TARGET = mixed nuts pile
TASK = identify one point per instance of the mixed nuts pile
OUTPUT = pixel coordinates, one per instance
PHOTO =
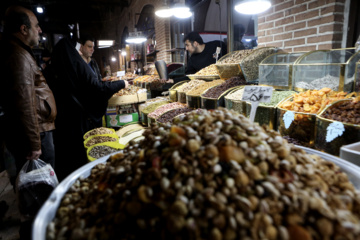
(210, 176)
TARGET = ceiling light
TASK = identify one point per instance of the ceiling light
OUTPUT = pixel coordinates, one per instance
(164, 12)
(113, 59)
(39, 9)
(252, 6)
(136, 37)
(105, 43)
(123, 53)
(182, 14)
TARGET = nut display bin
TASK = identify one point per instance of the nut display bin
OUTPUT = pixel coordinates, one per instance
(250, 64)
(48, 210)
(297, 125)
(173, 91)
(213, 103)
(334, 69)
(330, 135)
(236, 105)
(193, 101)
(277, 70)
(229, 65)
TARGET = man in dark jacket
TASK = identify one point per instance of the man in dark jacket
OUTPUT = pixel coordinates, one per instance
(28, 103)
(86, 51)
(27, 100)
(201, 54)
(81, 102)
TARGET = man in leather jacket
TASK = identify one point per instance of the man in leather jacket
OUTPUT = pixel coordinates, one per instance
(28, 102)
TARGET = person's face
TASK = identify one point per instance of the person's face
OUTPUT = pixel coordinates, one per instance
(191, 47)
(87, 49)
(33, 36)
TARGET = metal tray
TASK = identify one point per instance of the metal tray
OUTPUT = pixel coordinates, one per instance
(48, 210)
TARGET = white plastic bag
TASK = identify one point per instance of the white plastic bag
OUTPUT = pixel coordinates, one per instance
(35, 182)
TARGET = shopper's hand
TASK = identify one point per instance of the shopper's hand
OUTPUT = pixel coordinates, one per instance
(170, 81)
(126, 83)
(34, 155)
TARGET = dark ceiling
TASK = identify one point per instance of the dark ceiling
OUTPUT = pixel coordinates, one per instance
(59, 14)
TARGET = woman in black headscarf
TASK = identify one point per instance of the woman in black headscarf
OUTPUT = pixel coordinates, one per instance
(81, 100)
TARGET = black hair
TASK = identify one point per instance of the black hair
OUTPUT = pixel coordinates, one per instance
(194, 36)
(15, 17)
(85, 38)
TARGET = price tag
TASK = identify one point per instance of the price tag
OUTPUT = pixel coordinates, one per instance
(120, 73)
(288, 118)
(334, 130)
(255, 95)
(218, 49)
(126, 118)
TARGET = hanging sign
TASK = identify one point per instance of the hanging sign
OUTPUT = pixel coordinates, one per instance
(255, 95)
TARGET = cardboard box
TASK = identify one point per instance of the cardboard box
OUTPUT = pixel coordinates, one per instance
(118, 120)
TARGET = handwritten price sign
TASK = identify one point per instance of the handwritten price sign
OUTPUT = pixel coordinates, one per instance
(255, 95)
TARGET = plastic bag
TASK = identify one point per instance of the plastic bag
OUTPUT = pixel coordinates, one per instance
(35, 183)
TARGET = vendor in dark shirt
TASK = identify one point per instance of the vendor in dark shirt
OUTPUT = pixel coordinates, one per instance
(201, 54)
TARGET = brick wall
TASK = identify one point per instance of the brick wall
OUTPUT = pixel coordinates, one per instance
(302, 25)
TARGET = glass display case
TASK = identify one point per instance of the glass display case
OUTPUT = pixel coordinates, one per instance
(357, 77)
(334, 69)
(277, 70)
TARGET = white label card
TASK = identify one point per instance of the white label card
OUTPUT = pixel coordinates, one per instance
(334, 130)
(120, 73)
(255, 95)
(288, 118)
(126, 118)
(218, 49)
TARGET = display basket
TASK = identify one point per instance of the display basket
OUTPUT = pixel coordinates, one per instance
(234, 104)
(228, 70)
(276, 70)
(250, 64)
(127, 99)
(333, 68)
(127, 127)
(330, 135)
(144, 119)
(296, 125)
(113, 136)
(114, 145)
(173, 91)
(265, 115)
(206, 78)
(150, 121)
(182, 110)
(213, 103)
(193, 101)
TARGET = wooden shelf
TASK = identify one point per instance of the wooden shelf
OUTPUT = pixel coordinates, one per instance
(175, 50)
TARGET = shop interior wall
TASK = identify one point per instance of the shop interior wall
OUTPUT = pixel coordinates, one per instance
(298, 25)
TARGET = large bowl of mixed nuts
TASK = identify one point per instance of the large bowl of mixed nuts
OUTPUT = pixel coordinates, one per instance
(213, 175)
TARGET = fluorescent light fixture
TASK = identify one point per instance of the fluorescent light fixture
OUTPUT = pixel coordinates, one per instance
(123, 53)
(182, 14)
(252, 6)
(39, 9)
(113, 59)
(105, 43)
(135, 40)
(164, 12)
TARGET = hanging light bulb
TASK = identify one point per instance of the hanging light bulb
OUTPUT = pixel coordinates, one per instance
(252, 6)
(40, 9)
(164, 11)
